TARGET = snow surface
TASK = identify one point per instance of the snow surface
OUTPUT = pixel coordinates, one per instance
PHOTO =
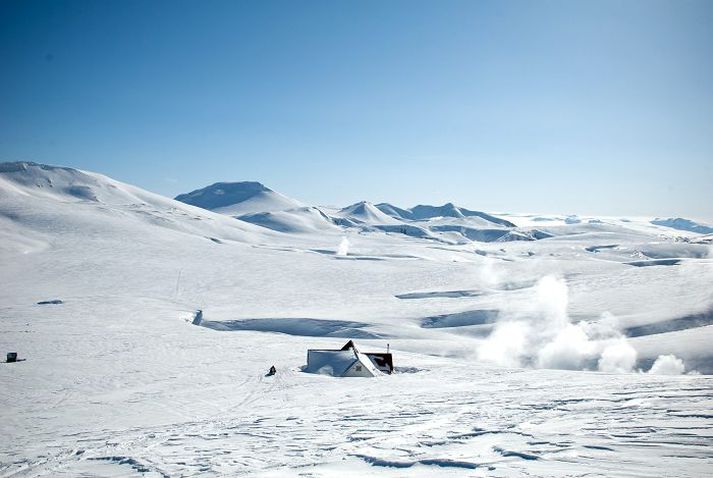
(512, 358)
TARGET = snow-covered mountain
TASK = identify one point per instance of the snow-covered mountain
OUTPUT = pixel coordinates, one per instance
(538, 356)
(255, 203)
(366, 212)
(238, 198)
(684, 225)
(448, 210)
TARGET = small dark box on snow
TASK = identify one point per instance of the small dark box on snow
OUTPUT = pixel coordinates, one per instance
(12, 357)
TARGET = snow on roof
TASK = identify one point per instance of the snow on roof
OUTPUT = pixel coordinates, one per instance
(330, 362)
(367, 363)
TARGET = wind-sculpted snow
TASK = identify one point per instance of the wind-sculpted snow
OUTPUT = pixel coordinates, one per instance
(455, 294)
(460, 319)
(655, 262)
(596, 249)
(701, 319)
(296, 326)
(125, 377)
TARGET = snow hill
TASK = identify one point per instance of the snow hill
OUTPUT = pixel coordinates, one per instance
(27, 179)
(298, 220)
(38, 202)
(365, 212)
(238, 198)
(564, 354)
(684, 225)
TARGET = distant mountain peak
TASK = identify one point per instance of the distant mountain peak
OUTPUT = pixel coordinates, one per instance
(359, 206)
(425, 212)
(238, 198)
(366, 212)
(243, 189)
(683, 224)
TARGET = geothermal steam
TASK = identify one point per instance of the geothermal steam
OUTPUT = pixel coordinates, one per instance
(667, 365)
(343, 249)
(542, 335)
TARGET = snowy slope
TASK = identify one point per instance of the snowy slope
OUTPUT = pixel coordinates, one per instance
(38, 202)
(513, 358)
(299, 220)
(236, 199)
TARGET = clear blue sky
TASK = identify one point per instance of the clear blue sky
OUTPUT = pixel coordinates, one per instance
(601, 107)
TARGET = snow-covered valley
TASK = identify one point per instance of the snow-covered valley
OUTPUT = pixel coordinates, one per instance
(524, 345)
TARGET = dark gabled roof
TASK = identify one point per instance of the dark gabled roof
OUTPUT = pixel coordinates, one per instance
(349, 345)
(383, 361)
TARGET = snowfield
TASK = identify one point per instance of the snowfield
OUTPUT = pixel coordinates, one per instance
(548, 346)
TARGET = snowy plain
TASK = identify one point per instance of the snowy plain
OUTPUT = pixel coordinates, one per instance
(551, 346)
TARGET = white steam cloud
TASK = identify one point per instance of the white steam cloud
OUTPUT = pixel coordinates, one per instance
(617, 357)
(667, 365)
(543, 336)
(343, 248)
(489, 274)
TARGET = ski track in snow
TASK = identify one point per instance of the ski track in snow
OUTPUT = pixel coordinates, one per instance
(500, 422)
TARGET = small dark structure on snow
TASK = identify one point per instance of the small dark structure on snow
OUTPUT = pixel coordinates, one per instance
(11, 357)
(51, 302)
(348, 362)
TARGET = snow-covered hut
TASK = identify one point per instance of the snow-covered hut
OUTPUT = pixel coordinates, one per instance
(347, 362)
